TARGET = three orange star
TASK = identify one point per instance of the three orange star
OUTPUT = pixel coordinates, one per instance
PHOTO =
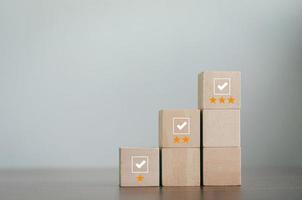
(231, 100)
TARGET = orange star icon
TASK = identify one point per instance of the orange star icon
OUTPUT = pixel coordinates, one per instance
(139, 178)
(221, 99)
(231, 100)
(186, 139)
(176, 139)
(213, 100)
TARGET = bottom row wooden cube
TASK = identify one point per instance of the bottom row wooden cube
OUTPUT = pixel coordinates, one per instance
(180, 166)
(222, 166)
(139, 166)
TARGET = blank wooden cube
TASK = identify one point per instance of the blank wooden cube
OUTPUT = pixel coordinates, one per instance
(222, 166)
(139, 166)
(219, 90)
(179, 128)
(180, 166)
(221, 128)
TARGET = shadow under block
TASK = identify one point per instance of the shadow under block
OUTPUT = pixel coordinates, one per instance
(221, 128)
(179, 128)
(222, 166)
(139, 166)
(219, 90)
(180, 166)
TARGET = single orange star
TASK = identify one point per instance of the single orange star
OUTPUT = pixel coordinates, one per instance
(221, 100)
(186, 139)
(213, 100)
(176, 139)
(139, 178)
(231, 100)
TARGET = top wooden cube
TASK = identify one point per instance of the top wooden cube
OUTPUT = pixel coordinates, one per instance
(219, 90)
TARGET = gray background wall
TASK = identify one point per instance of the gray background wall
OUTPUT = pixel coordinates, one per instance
(78, 78)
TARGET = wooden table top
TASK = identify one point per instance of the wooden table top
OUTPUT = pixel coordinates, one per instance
(260, 183)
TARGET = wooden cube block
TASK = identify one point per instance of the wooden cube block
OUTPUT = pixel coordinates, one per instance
(179, 128)
(139, 166)
(222, 166)
(180, 166)
(221, 128)
(219, 90)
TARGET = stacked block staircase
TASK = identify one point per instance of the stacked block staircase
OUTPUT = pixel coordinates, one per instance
(196, 146)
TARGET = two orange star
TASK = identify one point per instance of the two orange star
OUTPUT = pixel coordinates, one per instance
(231, 100)
(185, 139)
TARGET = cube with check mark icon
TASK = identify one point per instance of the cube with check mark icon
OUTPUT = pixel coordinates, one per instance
(139, 166)
(219, 90)
(179, 128)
